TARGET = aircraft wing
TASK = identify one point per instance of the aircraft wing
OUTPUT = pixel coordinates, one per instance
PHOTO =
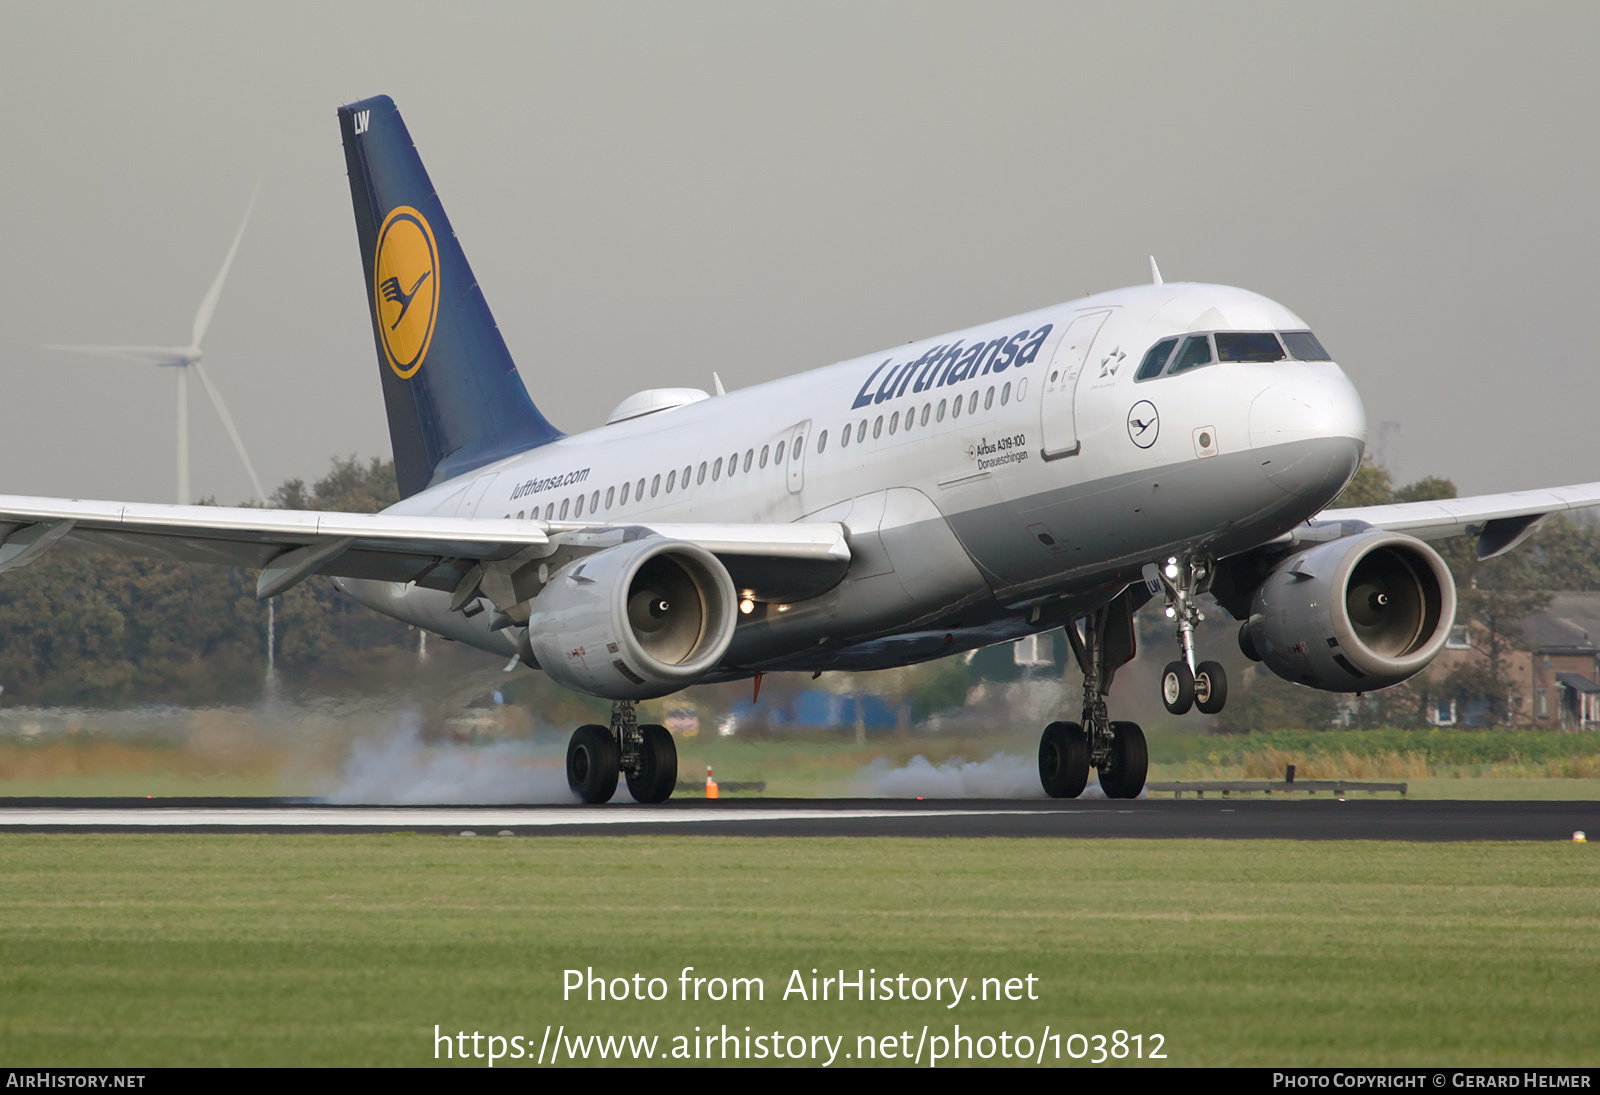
(291, 545)
(1499, 521)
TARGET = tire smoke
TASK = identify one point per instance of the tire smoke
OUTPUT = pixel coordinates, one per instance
(399, 768)
(1004, 775)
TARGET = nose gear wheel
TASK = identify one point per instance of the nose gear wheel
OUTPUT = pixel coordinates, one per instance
(1178, 687)
(1210, 688)
(1186, 684)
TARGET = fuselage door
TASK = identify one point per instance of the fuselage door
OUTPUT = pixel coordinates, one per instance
(799, 437)
(1058, 424)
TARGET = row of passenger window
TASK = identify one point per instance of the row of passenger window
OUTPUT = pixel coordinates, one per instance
(930, 412)
(572, 508)
(1238, 346)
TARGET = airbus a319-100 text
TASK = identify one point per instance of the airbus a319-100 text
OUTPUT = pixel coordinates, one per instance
(1052, 470)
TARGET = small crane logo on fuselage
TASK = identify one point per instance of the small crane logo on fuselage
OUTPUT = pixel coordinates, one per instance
(1144, 424)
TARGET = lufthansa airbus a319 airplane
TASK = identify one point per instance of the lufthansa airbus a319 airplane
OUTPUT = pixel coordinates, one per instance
(1053, 469)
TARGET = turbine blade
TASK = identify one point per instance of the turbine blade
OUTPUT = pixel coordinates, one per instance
(233, 431)
(202, 318)
(149, 355)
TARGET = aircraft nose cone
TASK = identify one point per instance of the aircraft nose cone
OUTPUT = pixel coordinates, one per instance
(1322, 404)
(1309, 432)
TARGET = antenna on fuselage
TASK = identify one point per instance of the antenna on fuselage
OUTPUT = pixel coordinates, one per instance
(1155, 272)
(717, 380)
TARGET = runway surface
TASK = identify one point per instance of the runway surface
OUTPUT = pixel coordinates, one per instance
(1306, 819)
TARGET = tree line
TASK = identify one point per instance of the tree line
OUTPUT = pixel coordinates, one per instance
(106, 630)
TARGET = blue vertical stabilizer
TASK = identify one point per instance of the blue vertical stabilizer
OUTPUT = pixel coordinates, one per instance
(454, 398)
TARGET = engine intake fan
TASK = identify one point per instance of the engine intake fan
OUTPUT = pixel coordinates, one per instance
(633, 622)
(1354, 614)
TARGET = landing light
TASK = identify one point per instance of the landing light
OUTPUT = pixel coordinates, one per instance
(1172, 570)
(1171, 612)
(747, 606)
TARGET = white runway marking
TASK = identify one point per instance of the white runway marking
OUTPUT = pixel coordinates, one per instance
(475, 818)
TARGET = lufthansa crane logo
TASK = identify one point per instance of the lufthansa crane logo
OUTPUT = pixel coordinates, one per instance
(1143, 424)
(406, 289)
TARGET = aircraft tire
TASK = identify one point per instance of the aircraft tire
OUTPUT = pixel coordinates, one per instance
(1210, 688)
(1124, 772)
(657, 777)
(592, 763)
(1177, 687)
(1064, 760)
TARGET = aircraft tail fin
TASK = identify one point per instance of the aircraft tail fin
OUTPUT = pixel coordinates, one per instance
(453, 395)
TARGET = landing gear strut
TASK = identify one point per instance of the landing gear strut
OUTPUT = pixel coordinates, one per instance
(1116, 749)
(646, 754)
(1185, 683)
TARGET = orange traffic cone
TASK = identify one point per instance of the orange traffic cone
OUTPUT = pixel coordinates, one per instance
(711, 784)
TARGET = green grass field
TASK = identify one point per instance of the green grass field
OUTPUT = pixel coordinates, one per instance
(346, 950)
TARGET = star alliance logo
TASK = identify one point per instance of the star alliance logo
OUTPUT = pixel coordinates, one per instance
(1111, 362)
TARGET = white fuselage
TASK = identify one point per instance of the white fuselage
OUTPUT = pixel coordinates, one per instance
(1057, 478)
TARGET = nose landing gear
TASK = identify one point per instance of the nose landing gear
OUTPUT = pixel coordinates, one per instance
(1210, 688)
(646, 754)
(1185, 683)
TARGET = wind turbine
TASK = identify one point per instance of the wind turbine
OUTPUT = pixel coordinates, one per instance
(184, 358)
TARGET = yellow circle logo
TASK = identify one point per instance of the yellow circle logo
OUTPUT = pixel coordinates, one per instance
(406, 288)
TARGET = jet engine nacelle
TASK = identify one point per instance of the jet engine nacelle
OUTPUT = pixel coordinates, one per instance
(1354, 614)
(635, 621)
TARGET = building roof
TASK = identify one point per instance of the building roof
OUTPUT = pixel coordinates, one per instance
(1578, 682)
(1570, 623)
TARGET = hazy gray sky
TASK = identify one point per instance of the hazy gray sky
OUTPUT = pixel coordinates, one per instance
(649, 192)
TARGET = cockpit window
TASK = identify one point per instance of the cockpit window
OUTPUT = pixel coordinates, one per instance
(1258, 346)
(1303, 345)
(1156, 359)
(1196, 351)
(1181, 353)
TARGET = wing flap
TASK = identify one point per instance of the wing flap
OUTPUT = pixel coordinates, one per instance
(291, 545)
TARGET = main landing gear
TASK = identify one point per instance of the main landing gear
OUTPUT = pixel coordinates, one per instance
(598, 755)
(1184, 683)
(1115, 749)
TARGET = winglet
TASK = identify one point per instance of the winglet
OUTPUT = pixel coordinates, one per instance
(1155, 272)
